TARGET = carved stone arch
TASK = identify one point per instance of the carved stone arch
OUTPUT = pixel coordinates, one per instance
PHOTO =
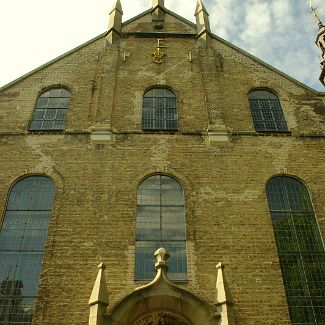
(145, 308)
(159, 301)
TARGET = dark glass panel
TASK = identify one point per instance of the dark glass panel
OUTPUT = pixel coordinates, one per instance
(51, 109)
(50, 114)
(177, 264)
(53, 102)
(39, 114)
(266, 111)
(61, 115)
(159, 110)
(300, 248)
(63, 102)
(58, 124)
(22, 239)
(148, 223)
(261, 94)
(47, 125)
(144, 259)
(42, 102)
(55, 92)
(160, 223)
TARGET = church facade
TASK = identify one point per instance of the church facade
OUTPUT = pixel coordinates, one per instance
(190, 172)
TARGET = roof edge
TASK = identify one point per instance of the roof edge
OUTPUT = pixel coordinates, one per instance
(167, 11)
(251, 56)
(48, 63)
(214, 36)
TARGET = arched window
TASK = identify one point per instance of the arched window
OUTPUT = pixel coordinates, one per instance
(160, 223)
(22, 239)
(51, 110)
(159, 110)
(267, 111)
(300, 249)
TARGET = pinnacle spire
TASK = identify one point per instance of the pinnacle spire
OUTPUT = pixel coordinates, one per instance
(199, 7)
(115, 23)
(223, 291)
(117, 6)
(99, 293)
(224, 301)
(98, 301)
(202, 23)
(158, 13)
(320, 42)
(156, 3)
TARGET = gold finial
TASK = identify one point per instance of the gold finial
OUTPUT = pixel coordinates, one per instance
(315, 14)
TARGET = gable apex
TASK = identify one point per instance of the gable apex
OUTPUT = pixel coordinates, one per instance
(200, 7)
(117, 6)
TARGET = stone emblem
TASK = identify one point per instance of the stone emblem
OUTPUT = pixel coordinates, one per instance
(161, 318)
(158, 55)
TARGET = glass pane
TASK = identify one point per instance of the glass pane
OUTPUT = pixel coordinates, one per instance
(261, 94)
(50, 114)
(144, 259)
(177, 263)
(159, 110)
(51, 109)
(22, 239)
(160, 221)
(266, 111)
(300, 248)
(148, 223)
(42, 102)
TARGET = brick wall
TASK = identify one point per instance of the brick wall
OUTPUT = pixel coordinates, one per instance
(227, 215)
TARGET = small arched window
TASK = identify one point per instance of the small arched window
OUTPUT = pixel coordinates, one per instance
(51, 110)
(159, 110)
(22, 239)
(300, 249)
(267, 111)
(160, 223)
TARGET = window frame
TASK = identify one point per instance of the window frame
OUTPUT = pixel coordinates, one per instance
(297, 235)
(150, 124)
(270, 118)
(59, 109)
(27, 213)
(177, 259)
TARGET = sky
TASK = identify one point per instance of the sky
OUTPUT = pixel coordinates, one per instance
(282, 33)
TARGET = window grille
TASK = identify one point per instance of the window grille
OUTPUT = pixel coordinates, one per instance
(159, 110)
(51, 110)
(160, 223)
(267, 112)
(22, 239)
(300, 249)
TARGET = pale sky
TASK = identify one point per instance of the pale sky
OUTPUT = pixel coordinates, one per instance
(280, 32)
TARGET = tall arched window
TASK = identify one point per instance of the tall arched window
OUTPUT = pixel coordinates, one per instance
(22, 239)
(267, 111)
(300, 249)
(159, 110)
(160, 223)
(51, 110)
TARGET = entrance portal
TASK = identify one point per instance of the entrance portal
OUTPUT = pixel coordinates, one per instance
(161, 318)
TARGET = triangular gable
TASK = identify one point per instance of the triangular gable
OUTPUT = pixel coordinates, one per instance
(173, 24)
(180, 25)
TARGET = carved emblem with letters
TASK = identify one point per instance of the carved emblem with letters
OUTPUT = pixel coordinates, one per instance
(158, 55)
(161, 318)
